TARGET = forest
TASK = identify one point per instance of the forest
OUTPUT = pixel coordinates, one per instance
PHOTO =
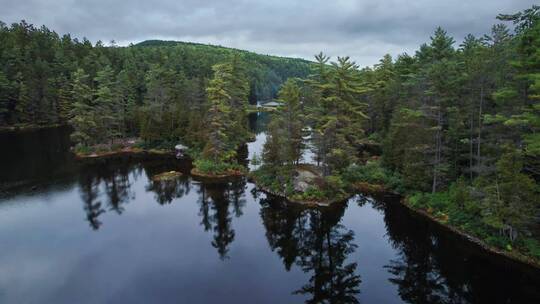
(155, 89)
(453, 128)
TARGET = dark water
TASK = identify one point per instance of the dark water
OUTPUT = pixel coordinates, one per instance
(106, 233)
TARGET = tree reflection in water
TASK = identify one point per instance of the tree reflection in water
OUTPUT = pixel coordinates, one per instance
(217, 201)
(435, 266)
(167, 190)
(314, 240)
(111, 183)
(116, 184)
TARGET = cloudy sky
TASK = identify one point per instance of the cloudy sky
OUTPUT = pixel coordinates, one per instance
(362, 29)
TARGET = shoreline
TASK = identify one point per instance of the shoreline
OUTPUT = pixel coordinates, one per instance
(359, 188)
(230, 174)
(125, 152)
(513, 256)
(324, 203)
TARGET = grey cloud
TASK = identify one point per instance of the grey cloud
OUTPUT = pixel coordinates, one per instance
(365, 30)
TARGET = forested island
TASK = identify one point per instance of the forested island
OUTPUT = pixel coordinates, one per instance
(452, 128)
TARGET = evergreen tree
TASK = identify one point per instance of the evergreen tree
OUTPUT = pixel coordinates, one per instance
(106, 104)
(83, 111)
(291, 119)
(218, 147)
(511, 199)
(339, 115)
(4, 97)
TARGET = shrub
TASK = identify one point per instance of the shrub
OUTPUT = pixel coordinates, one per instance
(418, 200)
(83, 149)
(533, 247)
(207, 166)
(116, 146)
(372, 172)
(312, 194)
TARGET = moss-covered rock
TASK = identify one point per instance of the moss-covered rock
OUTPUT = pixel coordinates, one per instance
(166, 176)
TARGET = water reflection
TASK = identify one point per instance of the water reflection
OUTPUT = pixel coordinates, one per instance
(319, 255)
(433, 266)
(217, 202)
(33, 157)
(165, 190)
(314, 240)
(109, 184)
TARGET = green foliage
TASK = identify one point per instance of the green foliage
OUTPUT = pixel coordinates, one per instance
(312, 194)
(511, 199)
(533, 247)
(155, 89)
(373, 173)
(338, 112)
(211, 167)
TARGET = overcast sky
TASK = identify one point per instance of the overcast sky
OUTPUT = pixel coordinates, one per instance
(362, 29)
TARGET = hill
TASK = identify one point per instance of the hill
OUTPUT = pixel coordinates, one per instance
(266, 72)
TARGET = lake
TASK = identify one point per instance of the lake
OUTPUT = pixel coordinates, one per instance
(107, 233)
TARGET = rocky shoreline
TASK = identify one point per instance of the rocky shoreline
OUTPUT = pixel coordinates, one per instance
(309, 203)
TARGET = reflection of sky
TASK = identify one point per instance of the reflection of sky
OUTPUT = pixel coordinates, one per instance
(152, 253)
(256, 147)
(156, 253)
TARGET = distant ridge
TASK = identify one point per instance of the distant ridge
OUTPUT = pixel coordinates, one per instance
(172, 43)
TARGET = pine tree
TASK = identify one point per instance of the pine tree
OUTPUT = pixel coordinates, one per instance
(272, 154)
(511, 199)
(106, 103)
(339, 115)
(126, 95)
(291, 119)
(218, 147)
(24, 111)
(64, 102)
(83, 111)
(4, 99)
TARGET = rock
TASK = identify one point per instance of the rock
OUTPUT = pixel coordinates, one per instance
(303, 180)
(166, 176)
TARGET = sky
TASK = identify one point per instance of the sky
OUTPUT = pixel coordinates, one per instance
(365, 30)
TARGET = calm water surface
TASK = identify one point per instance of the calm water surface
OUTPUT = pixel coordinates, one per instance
(106, 233)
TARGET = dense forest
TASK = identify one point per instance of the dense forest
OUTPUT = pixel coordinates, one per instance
(155, 89)
(457, 124)
(454, 127)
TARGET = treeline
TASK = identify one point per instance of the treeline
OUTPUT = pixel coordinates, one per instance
(154, 89)
(464, 122)
(458, 126)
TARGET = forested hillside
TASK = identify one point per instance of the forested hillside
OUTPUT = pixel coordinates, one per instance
(43, 76)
